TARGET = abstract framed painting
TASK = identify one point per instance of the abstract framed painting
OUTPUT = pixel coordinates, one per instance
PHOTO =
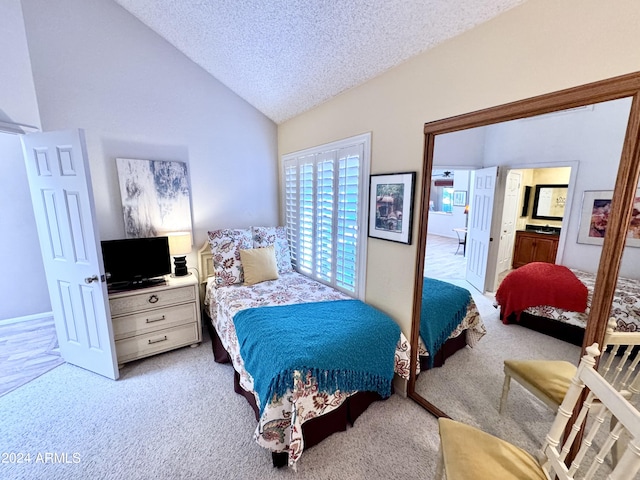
(594, 218)
(156, 197)
(391, 206)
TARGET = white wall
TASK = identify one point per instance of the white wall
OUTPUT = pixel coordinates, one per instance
(97, 67)
(593, 138)
(23, 289)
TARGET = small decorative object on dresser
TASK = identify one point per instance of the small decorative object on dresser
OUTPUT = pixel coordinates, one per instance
(153, 320)
(179, 246)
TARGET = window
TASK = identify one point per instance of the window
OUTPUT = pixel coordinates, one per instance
(441, 198)
(324, 202)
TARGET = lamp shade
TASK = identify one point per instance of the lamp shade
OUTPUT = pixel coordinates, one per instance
(179, 243)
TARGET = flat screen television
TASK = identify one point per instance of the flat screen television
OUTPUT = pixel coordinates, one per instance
(135, 262)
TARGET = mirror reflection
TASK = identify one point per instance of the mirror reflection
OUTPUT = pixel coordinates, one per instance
(549, 202)
(499, 232)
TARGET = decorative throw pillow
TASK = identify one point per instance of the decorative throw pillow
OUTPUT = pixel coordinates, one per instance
(225, 246)
(259, 265)
(276, 236)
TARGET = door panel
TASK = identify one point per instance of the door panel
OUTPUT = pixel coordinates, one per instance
(62, 197)
(483, 187)
(509, 215)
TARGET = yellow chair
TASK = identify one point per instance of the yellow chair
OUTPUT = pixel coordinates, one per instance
(468, 453)
(549, 380)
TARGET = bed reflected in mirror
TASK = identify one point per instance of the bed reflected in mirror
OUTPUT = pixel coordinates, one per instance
(463, 378)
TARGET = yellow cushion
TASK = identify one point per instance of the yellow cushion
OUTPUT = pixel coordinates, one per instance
(472, 454)
(552, 377)
(259, 265)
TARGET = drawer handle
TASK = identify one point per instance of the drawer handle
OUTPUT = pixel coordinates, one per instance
(155, 319)
(153, 299)
(151, 342)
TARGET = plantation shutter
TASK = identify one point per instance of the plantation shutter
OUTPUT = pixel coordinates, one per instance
(324, 213)
(347, 217)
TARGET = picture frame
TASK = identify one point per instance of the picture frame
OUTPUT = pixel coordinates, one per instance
(549, 201)
(459, 198)
(596, 205)
(156, 196)
(391, 206)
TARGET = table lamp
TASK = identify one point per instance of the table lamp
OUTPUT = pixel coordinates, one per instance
(179, 246)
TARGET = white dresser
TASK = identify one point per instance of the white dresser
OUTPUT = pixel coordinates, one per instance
(152, 320)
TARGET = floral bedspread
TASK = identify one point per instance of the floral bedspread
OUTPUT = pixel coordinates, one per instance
(625, 307)
(280, 427)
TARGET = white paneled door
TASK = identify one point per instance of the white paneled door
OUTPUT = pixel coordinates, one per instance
(62, 196)
(483, 187)
(509, 217)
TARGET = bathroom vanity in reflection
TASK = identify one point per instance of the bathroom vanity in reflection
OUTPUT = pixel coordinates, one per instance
(537, 244)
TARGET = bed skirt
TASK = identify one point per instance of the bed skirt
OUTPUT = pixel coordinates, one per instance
(450, 347)
(560, 330)
(313, 431)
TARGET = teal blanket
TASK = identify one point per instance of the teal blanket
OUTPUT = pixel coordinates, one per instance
(346, 344)
(443, 307)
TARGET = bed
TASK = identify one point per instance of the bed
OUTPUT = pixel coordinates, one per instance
(304, 413)
(569, 324)
(448, 312)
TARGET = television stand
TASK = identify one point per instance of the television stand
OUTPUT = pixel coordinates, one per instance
(150, 320)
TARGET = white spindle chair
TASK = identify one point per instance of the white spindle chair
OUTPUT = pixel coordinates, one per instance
(468, 453)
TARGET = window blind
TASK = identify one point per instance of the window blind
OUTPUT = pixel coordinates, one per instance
(325, 211)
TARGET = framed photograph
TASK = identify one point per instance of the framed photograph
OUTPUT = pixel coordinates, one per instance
(459, 198)
(596, 207)
(391, 206)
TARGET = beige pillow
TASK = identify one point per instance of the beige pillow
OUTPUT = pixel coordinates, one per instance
(259, 265)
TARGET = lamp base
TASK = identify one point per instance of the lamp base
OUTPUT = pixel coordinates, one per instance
(180, 264)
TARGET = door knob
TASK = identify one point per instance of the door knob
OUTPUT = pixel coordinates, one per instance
(91, 279)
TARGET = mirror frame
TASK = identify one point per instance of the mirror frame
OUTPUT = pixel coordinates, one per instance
(536, 201)
(621, 205)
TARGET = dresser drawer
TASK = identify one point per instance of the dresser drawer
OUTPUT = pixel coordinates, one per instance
(153, 320)
(147, 300)
(160, 341)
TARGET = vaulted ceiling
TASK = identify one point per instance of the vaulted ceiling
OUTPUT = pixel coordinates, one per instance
(287, 56)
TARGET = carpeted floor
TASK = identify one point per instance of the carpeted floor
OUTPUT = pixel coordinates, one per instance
(469, 385)
(175, 415)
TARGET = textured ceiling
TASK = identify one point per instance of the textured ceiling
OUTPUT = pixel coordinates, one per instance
(286, 56)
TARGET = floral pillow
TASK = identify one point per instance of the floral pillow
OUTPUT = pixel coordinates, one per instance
(226, 244)
(276, 236)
